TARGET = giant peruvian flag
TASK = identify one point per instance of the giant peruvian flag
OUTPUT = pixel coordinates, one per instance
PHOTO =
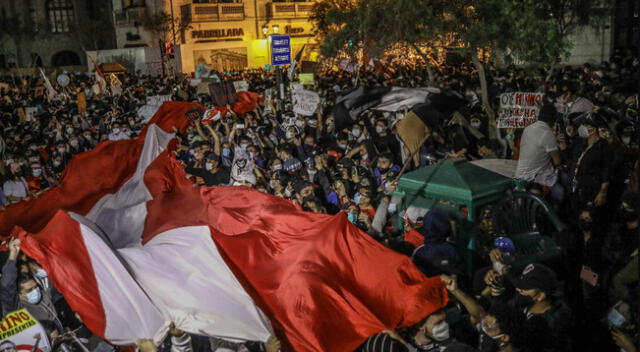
(134, 246)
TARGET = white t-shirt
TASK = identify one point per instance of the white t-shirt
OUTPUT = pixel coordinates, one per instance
(15, 189)
(537, 141)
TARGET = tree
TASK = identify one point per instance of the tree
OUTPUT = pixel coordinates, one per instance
(164, 27)
(497, 26)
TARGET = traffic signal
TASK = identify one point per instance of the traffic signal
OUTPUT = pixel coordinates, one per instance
(168, 48)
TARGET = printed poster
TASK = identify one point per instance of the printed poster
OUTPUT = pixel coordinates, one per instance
(19, 331)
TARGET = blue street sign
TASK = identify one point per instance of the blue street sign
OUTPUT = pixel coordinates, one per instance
(280, 50)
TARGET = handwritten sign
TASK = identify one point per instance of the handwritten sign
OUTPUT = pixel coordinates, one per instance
(158, 99)
(305, 102)
(518, 109)
(19, 331)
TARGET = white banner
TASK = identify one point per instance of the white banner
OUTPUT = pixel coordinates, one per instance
(146, 112)
(158, 99)
(21, 332)
(518, 109)
(305, 102)
(241, 86)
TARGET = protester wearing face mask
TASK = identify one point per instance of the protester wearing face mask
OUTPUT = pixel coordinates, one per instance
(431, 334)
(24, 292)
(589, 186)
(37, 181)
(118, 133)
(16, 187)
(539, 155)
(535, 297)
(384, 164)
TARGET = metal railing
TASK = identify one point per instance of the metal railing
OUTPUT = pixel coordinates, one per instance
(289, 10)
(217, 12)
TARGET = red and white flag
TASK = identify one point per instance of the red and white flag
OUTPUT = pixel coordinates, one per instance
(101, 82)
(133, 245)
(51, 92)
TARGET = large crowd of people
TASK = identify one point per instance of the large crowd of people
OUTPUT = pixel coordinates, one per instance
(581, 157)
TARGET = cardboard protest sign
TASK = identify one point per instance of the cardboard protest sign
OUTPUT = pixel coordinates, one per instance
(158, 99)
(305, 102)
(241, 86)
(306, 79)
(19, 331)
(30, 113)
(518, 109)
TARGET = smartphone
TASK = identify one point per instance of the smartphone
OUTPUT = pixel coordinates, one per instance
(589, 276)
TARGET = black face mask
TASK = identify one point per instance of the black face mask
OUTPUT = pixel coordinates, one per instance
(383, 170)
(628, 215)
(585, 225)
(522, 301)
(487, 344)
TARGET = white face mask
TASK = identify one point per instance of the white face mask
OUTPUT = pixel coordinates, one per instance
(475, 124)
(73, 143)
(441, 332)
(37, 172)
(300, 123)
(583, 131)
(56, 163)
(289, 135)
(342, 146)
(626, 140)
(208, 166)
(356, 132)
(379, 129)
(69, 130)
(116, 130)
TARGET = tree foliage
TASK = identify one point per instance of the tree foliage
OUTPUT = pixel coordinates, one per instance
(163, 26)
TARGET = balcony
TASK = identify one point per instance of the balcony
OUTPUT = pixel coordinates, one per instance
(278, 10)
(131, 16)
(217, 12)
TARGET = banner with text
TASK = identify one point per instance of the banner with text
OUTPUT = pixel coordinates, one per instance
(19, 331)
(305, 102)
(158, 99)
(518, 109)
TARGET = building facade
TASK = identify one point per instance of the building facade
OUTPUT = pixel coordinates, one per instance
(230, 35)
(53, 33)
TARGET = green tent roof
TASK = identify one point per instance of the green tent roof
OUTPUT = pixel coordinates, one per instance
(454, 180)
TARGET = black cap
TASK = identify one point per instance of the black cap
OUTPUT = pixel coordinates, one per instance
(538, 277)
(591, 119)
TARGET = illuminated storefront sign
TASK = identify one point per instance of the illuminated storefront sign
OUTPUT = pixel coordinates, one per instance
(217, 33)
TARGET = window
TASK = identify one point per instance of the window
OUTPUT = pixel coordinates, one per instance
(60, 15)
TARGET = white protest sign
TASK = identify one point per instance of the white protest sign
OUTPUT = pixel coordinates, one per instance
(305, 102)
(146, 112)
(241, 86)
(30, 113)
(158, 99)
(518, 109)
(21, 332)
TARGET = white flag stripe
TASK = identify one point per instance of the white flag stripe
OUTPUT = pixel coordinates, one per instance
(187, 278)
(121, 215)
(129, 313)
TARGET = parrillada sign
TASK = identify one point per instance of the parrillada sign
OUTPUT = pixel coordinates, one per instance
(217, 33)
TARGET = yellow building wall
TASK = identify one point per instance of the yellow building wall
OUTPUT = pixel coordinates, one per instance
(225, 51)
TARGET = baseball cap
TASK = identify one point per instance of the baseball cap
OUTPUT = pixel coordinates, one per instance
(539, 277)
